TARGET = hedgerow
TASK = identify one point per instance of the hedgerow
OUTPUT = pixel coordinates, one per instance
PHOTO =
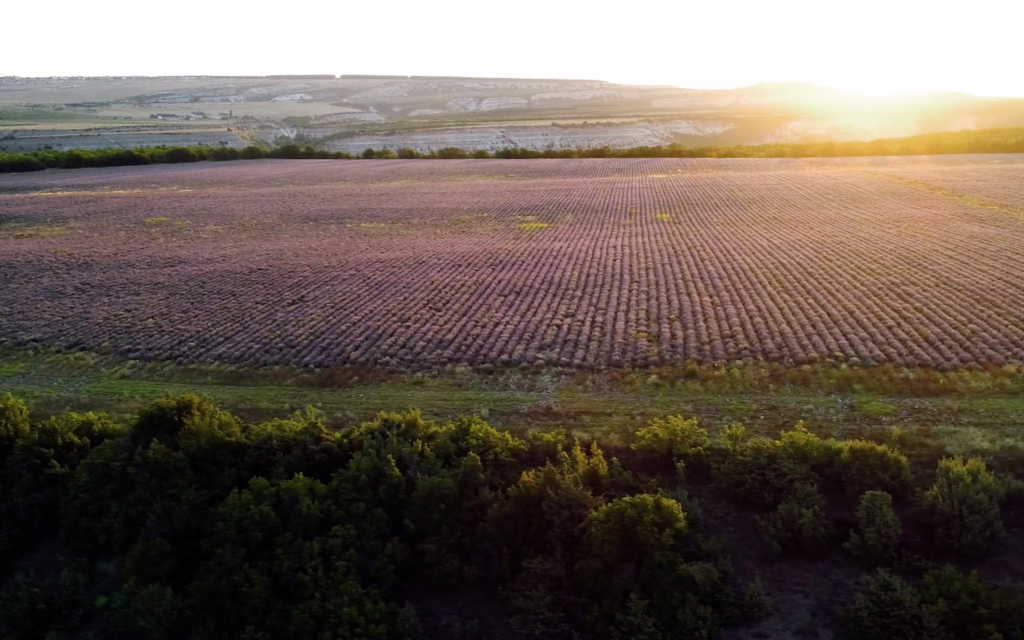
(1007, 140)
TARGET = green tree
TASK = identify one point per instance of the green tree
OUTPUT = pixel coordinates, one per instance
(962, 506)
(591, 472)
(540, 515)
(632, 533)
(878, 529)
(35, 477)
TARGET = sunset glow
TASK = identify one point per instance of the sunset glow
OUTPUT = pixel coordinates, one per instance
(871, 46)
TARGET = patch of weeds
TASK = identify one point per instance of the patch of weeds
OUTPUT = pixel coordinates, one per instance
(966, 441)
(39, 232)
(876, 408)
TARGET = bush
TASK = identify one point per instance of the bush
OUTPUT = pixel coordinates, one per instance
(674, 437)
(14, 423)
(757, 472)
(868, 466)
(590, 472)
(19, 163)
(540, 515)
(180, 154)
(123, 157)
(969, 610)
(962, 507)
(756, 603)
(798, 525)
(253, 153)
(649, 576)
(732, 437)
(452, 153)
(805, 448)
(630, 534)
(223, 154)
(35, 476)
(878, 527)
(181, 420)
(143, 613)
(887, 607)
(33, 606)
(73, 160)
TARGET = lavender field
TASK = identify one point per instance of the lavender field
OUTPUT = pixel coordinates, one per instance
(574, 263)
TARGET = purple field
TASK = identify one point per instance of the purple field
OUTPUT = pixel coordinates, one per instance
(577, 263)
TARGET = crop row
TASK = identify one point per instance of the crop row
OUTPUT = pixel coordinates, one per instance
(580, 263)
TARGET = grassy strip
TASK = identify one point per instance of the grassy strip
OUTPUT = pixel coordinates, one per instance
(974, 417)
(969, 141)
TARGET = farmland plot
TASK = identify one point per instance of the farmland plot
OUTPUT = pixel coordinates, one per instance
(577, 263)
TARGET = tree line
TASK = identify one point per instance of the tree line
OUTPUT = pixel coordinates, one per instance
(188, 522)
(1010, 140)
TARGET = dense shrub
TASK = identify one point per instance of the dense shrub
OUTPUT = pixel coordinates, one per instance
(451, 153)
(868, 466)
(759, 473)
(540, 515)
(193, 523)
(14, 423)
(19, 163)
(640, 569)
(631, 533)
(34, 606)
(223, 154)
(756, 603)
(34, 477)
(947, 605)
(72, 160)
(887, 607)
(962, 507)
(798, 525)
(968, 609)
(673, 437)
(253, 153)
(180, 154)
(968, 141)
(148, 612)
(187, 420)
(878, 529)
(589, 471)
(804, 448)
(732, 437)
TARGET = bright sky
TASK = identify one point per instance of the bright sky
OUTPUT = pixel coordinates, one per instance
(874, 46)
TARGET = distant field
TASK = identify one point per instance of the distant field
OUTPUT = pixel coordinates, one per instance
(575, 263)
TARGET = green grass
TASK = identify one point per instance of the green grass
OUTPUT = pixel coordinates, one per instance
(604, 405)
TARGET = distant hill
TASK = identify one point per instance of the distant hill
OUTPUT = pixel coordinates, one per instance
(351, 112)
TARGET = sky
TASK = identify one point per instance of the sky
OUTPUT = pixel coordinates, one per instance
(864, 46)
